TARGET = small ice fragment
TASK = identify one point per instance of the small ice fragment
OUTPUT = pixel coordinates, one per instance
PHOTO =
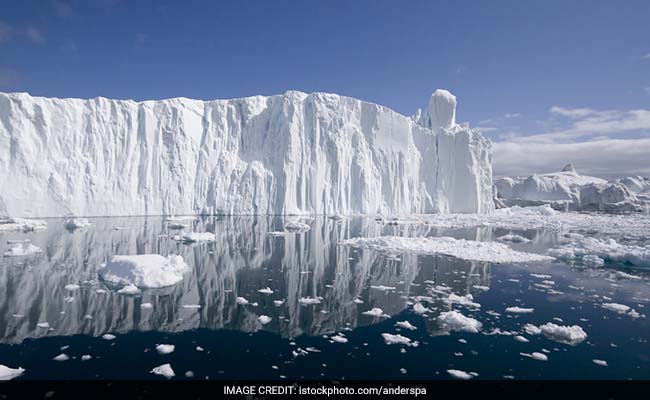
(108, 336)
(7, 373)
(165, 348)
(266, 290)
(86, 357)
(164, 370)
(458, 374)
(602, 363)
(61, 357)
(264, 319)
(405, 325)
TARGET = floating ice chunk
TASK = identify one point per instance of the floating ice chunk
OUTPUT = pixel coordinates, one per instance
(621, 309)
(467, 300)
(7, 373)
(357, 301)
(405, 325)
(26, 249)
(398, 339)
(61, 357)
(71, 287)
(266, 290)
(339, 338)
(144, 271)
(536, 356)
(278, 303)
(165, 348)
(241, 301)
(191, 306)
(86, 357)
(521, 339)
(382, 287)
(146, 306)
(532, 329)
(76, 223)
(623, 275)
(593, 260)
(605, 249)
(307, 301)
(564, 334)
(418, 308)
(455, 321)
(194, 237)
(44, 325)
(519, 310)
(602, 363)
(108, 336)
(513, 238)
(176, 225)
(460, 248)
(376, 312)
(541, 276)
(164, 370)
(264, 319)
(458, 374)
(189, 374)
(199, 348)
(21, 224)
(617, 308)
(129, 289)
(296, 227)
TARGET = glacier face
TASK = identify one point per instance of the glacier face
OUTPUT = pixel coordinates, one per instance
(293, 153)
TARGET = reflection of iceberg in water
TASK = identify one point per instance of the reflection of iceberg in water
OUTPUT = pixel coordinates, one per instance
(243, 259)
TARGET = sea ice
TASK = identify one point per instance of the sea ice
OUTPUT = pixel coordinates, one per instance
(26, 249)
(398, 339)
(458, 374)
(519, 310)
(165, 348)
(376, 312)
(460, 248)
(164, 370)
(405, 325)
(605, 249)
(565, 334)
(7, 373)
(264, 319)
(144, 271)
(455, 321)
(194, 237)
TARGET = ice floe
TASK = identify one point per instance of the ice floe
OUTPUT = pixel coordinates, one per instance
(455, 321)
(21, 224)
(164, 370)
(7, 373)
(165, 348)
(22, 250)
(519, 310)
(307, 301)
(460, 248)
(405, 325)
(376, 312)
(266, 290)
(144, 270)
(296, 226)
(536, 356)
(264, 319)
(458, 374)
(61, 357)
(398, 339)
(564, 334)
(621, 309)
(605, 249)
(195, 237)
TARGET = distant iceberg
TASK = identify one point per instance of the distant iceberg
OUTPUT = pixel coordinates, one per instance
(567, 190)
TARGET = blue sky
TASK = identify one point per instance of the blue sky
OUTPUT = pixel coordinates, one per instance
(568, 79)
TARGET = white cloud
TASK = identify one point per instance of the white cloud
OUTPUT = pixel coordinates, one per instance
(645, 56)
(34, 35)
(608, 157)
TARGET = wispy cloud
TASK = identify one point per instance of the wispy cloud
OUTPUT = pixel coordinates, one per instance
(8, 78)
(6, 32)
(645, 56)
(34, 35)
(608, 157)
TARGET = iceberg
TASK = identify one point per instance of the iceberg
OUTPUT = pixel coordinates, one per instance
(144, 271)
(567, 190)
(293, 153)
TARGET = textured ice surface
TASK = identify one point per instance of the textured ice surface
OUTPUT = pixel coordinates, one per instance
(565, 334)
(7, 373)
(144, 271)
(293, 153)
(590, 250)
(164, 370)
(459, 248)
(455, 321)
(569, 190)
(21, 224)
(21, 250)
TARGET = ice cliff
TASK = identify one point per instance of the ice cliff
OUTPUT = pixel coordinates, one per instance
(569, 190)
(293, 153)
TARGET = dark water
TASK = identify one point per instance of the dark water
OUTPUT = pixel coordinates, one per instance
(245, 258)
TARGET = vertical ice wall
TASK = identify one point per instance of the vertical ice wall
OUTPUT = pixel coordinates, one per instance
(286, 154)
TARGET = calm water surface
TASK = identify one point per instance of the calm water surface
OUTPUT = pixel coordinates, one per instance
(296, 342)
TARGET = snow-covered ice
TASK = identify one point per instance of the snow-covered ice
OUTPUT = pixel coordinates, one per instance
(605, 249)
(376, 312)
(21, 224)
(164, 370)
(144, 270)
(565, 334)
(458, 374)
(195, 237)
(264, 319)
(8, 373)
(165, 348)
(398, 339)
(61, 357)
(519, 310)
(455, 321)
(460, 248)
(23, 250)
(405, 325)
